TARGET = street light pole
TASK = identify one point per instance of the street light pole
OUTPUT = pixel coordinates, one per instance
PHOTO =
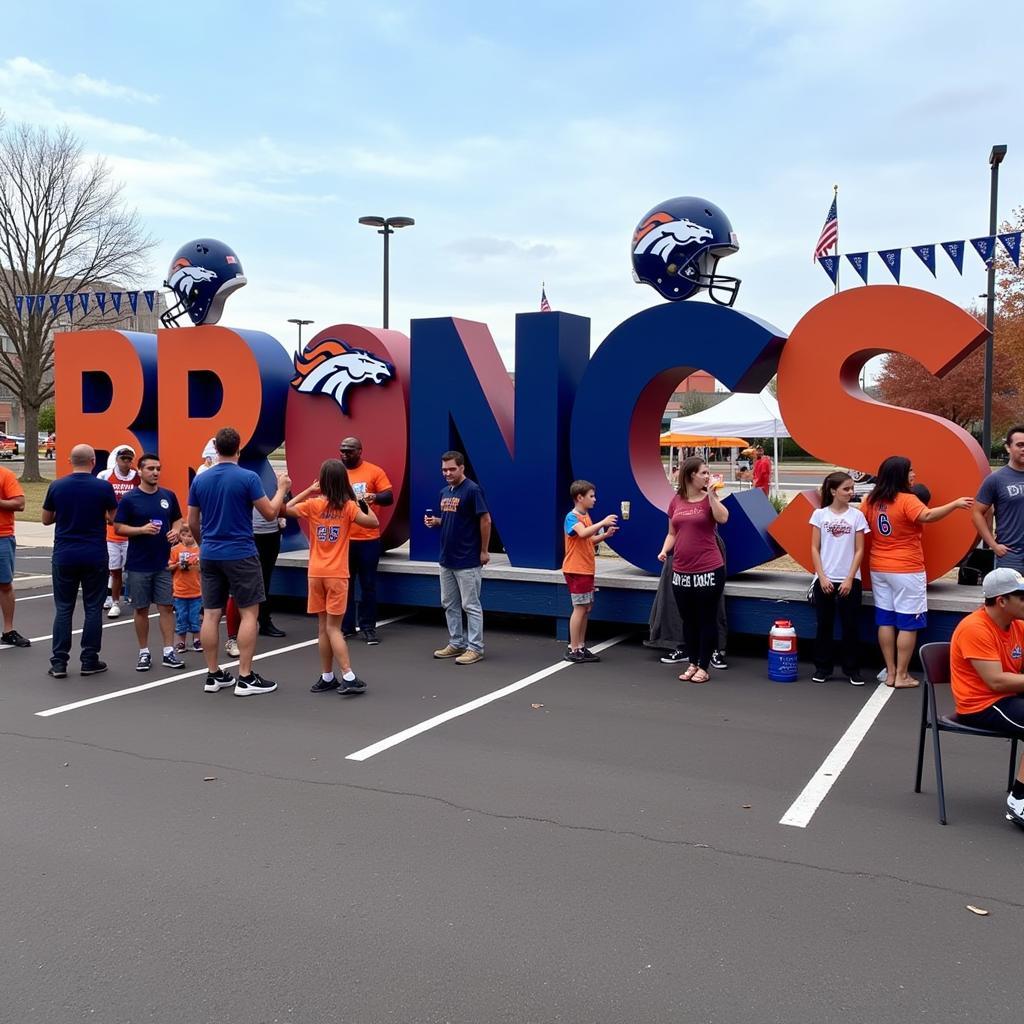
(995, 159)
(300, 324)
(386, 226)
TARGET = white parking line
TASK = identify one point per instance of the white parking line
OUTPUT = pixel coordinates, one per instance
(30, 579)
(804, 806)
(34, 597)
(75, 632)
(464, 709)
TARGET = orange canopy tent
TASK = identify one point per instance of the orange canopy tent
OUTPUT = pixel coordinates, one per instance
(670, 440)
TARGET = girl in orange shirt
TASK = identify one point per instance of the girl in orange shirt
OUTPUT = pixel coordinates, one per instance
(330, 507)
(896, 560)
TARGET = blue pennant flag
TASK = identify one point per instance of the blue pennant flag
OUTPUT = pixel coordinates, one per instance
(101, 301)
(859, 260)
(115, 299)
(955, 251)
(1011, 243)
(83, 298)
(830, 264)
(133, 301)
(69, 304)
(30, 303)
(54, 304)
(891, 258)
(985, 247)
(149, 296)
(926, 254)
(40, 303)
(19, 301)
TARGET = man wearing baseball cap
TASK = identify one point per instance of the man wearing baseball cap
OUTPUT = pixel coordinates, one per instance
(986, 661)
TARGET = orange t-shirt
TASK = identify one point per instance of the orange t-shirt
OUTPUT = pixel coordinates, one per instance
(977, 637)
(330, 530)
(896, 534)
(579, 551)
(9, 488)
(186, 583)
(367, 478)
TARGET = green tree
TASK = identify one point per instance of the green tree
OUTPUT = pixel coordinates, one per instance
(48, 418)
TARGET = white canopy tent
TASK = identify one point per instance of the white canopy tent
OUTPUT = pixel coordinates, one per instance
(740, 415)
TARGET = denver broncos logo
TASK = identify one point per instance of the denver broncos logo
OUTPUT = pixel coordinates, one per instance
(185, 276)
(331, 367)
(660, 234)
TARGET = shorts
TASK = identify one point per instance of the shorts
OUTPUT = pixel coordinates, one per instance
(901, 599)
(240, 578)
(116, 554)
(581, 588)
(327, 594)
(8, 548)
(146, 588)
(1005, 716)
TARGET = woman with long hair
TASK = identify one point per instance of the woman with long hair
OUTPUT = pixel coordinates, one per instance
(698, 568)
(330, 507)
(896, 559)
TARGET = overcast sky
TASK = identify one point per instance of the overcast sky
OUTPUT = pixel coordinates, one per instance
(527, 140)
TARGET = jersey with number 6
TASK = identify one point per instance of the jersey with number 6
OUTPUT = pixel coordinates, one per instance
(329, 529)
(896, 534)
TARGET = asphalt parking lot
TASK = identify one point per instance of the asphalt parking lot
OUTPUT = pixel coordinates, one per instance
(601, 844)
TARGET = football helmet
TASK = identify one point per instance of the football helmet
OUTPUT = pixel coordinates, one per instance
(202, 275)
(677, 246)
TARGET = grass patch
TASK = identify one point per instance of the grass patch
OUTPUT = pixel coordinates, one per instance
(34, 494)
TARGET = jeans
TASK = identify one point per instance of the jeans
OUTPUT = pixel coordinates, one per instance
(268, 547)
(66, 581)
(460, 592)
(187, 615)
(363, 556)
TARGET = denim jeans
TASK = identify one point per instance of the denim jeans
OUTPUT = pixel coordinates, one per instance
(66, 581)
(460, 592)
(363, 556)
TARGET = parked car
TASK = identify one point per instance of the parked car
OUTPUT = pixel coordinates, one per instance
(8, 447)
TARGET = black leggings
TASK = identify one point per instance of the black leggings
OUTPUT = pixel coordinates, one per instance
(268, 547)
(697, 595)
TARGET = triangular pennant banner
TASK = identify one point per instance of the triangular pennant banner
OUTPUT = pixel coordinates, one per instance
(19, 301)
(54, 304)
(40, 303)
(149, 296)
(115, 300)
(926, 254)
(955, 251)
(101, 301)
(859, 261)
(69, 304)
(985, 247)
(30, 303)
(1011, 243)
(133, 301)
(830, 264)
(891, 258)
(83, 298)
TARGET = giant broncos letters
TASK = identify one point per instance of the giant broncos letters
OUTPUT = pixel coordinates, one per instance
(565, 417)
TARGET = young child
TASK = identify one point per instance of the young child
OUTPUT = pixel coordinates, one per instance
(188, 601)
(837, 549)
(581, 537)
(329, 505)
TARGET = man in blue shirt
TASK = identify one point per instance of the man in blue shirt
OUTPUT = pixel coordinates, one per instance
(220, 504)
(465, 534)
(149, 516)
(81, 506)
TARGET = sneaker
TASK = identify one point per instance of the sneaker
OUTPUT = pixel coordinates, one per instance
(349, 633)
(14, 639)
(58, 671)
(346, 686)
(371, 638)
(145, 662)
(180, 648)
(115, 611)
(323, 685)
(197, 647)
(109, 601)
(856, 680)
(218, 681)
(819, 677)
(269, 629)
(677, 657)
(469, 658)
(718, 660)
(95, 669)
(172, 661)
(231, 647)
(588, 655)
(450, 651)
(254, 684)
(1015, 809)
(571, 655)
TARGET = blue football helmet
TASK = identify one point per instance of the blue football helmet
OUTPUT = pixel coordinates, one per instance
(202, 275)
(677, 246)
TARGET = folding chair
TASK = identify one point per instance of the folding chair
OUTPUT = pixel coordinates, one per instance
(935, 660)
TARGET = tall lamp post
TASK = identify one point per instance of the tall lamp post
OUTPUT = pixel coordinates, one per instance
(386, 226)
(300, 324)
(995, 158)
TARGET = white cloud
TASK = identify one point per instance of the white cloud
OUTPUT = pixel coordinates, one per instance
(21, 72)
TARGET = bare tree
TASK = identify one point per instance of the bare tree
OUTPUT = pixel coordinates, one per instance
(64, 228)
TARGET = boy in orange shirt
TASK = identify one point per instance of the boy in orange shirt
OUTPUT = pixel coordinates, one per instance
(330, 516)
(188, 599)
(581, 536)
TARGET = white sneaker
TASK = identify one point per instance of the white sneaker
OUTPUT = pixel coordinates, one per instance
(1015, 809)
(115, 611)
(109, 601)
(232, 647)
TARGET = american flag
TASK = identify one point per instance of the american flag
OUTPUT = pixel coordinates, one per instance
(545, 306)
(829, 233)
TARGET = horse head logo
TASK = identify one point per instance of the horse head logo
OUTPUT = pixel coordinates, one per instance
(331, 367)
(185, 277)
(659, 235)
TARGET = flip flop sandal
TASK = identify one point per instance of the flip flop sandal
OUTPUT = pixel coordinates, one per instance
(700, 676)
(688, 674)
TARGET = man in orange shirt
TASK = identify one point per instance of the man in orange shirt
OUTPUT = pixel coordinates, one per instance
(985, 659)
(123, 477)
(12, 499)
(370, 484)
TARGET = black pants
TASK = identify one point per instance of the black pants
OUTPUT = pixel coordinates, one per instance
(697, 596)
(268, 547)
(826, 606)
(363, 556)
(66, 581)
